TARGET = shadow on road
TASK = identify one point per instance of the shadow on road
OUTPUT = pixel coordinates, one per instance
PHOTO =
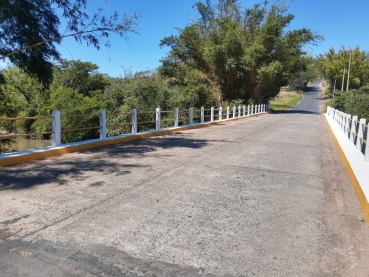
(300, 112)
(61, 170)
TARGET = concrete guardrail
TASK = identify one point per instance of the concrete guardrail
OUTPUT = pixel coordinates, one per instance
(58, 148)
(351, 136)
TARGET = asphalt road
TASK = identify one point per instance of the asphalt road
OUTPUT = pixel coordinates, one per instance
(264, 196)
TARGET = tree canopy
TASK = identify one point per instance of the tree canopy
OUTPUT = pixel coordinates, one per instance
(29, 31)
(334, 65)
(240, 53)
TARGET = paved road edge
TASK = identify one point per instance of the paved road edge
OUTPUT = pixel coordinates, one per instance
(357, 181)
(47, 152)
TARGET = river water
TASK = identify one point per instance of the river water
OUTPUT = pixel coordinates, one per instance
(24, 144)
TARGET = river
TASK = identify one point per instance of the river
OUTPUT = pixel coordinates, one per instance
(24, 144)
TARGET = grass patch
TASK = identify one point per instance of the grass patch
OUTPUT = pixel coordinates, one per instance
(285, 100)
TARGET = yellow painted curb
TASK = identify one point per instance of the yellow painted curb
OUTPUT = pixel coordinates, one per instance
(359, 192)
(75, 148)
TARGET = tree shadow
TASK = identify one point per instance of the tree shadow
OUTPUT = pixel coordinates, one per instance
(61, 171)
(295, 111)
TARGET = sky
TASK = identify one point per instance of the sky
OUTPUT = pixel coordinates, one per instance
(341, 22)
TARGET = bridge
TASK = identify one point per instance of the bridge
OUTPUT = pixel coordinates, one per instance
(262, 196)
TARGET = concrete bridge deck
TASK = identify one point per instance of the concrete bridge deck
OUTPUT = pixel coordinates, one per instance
(264, 196)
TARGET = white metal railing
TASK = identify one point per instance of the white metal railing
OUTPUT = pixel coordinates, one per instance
(205, 115)
(356, 130)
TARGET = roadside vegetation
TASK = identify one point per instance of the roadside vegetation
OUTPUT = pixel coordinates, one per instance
(228, 55)
(285, 100)
(351, 97)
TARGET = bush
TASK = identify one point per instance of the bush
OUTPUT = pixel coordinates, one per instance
(354, 102)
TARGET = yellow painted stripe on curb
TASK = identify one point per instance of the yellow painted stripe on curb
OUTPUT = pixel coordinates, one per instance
(359, 192)
(70, 149)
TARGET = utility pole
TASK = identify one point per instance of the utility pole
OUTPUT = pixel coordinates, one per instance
(348, 73)
(343, 78)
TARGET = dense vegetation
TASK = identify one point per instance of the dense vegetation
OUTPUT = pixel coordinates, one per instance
(237, 53)
(351, 97)
(230, 55)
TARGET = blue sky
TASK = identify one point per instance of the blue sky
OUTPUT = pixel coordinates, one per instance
(341, 22)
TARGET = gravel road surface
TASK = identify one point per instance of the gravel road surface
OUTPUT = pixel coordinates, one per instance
(263, 196)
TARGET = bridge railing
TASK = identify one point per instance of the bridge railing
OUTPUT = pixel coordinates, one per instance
(104, 124)
(354, 129)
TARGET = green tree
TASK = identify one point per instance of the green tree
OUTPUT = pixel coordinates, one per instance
(79, 76)
(333, 64)
(29, 31)
(241, 55)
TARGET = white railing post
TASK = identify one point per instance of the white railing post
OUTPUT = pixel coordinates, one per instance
(239, 111)
(252, 109)
(212, 114)
(248, 109)
(190, 116)
(234, 112)
(220, 113)
(102, 124)
(366, 157)
(56, 128)
(202, 115)
(348, 124)
(343, 122)
(259, 108)
(176, 113)
(360, 134)
(353, 129)
(134, 121)
(227, 112)
(158, 118)
(244, 110)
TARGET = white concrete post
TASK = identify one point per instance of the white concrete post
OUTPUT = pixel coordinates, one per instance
(134, 121)
(158, 118)
(343, 122)
(202, 115)
(227, 112)
(190, 116)
(176, 113)
(366, 157)
(252, 109)
(234, 112)
(239, 111)
(353, 129)
(248, 109)
(347, 128)
(102, 124)
(212, 114)
(244, 110)
(56, 128)
(360, 134)
(220, 113)
(341, 119)
(259, 108)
